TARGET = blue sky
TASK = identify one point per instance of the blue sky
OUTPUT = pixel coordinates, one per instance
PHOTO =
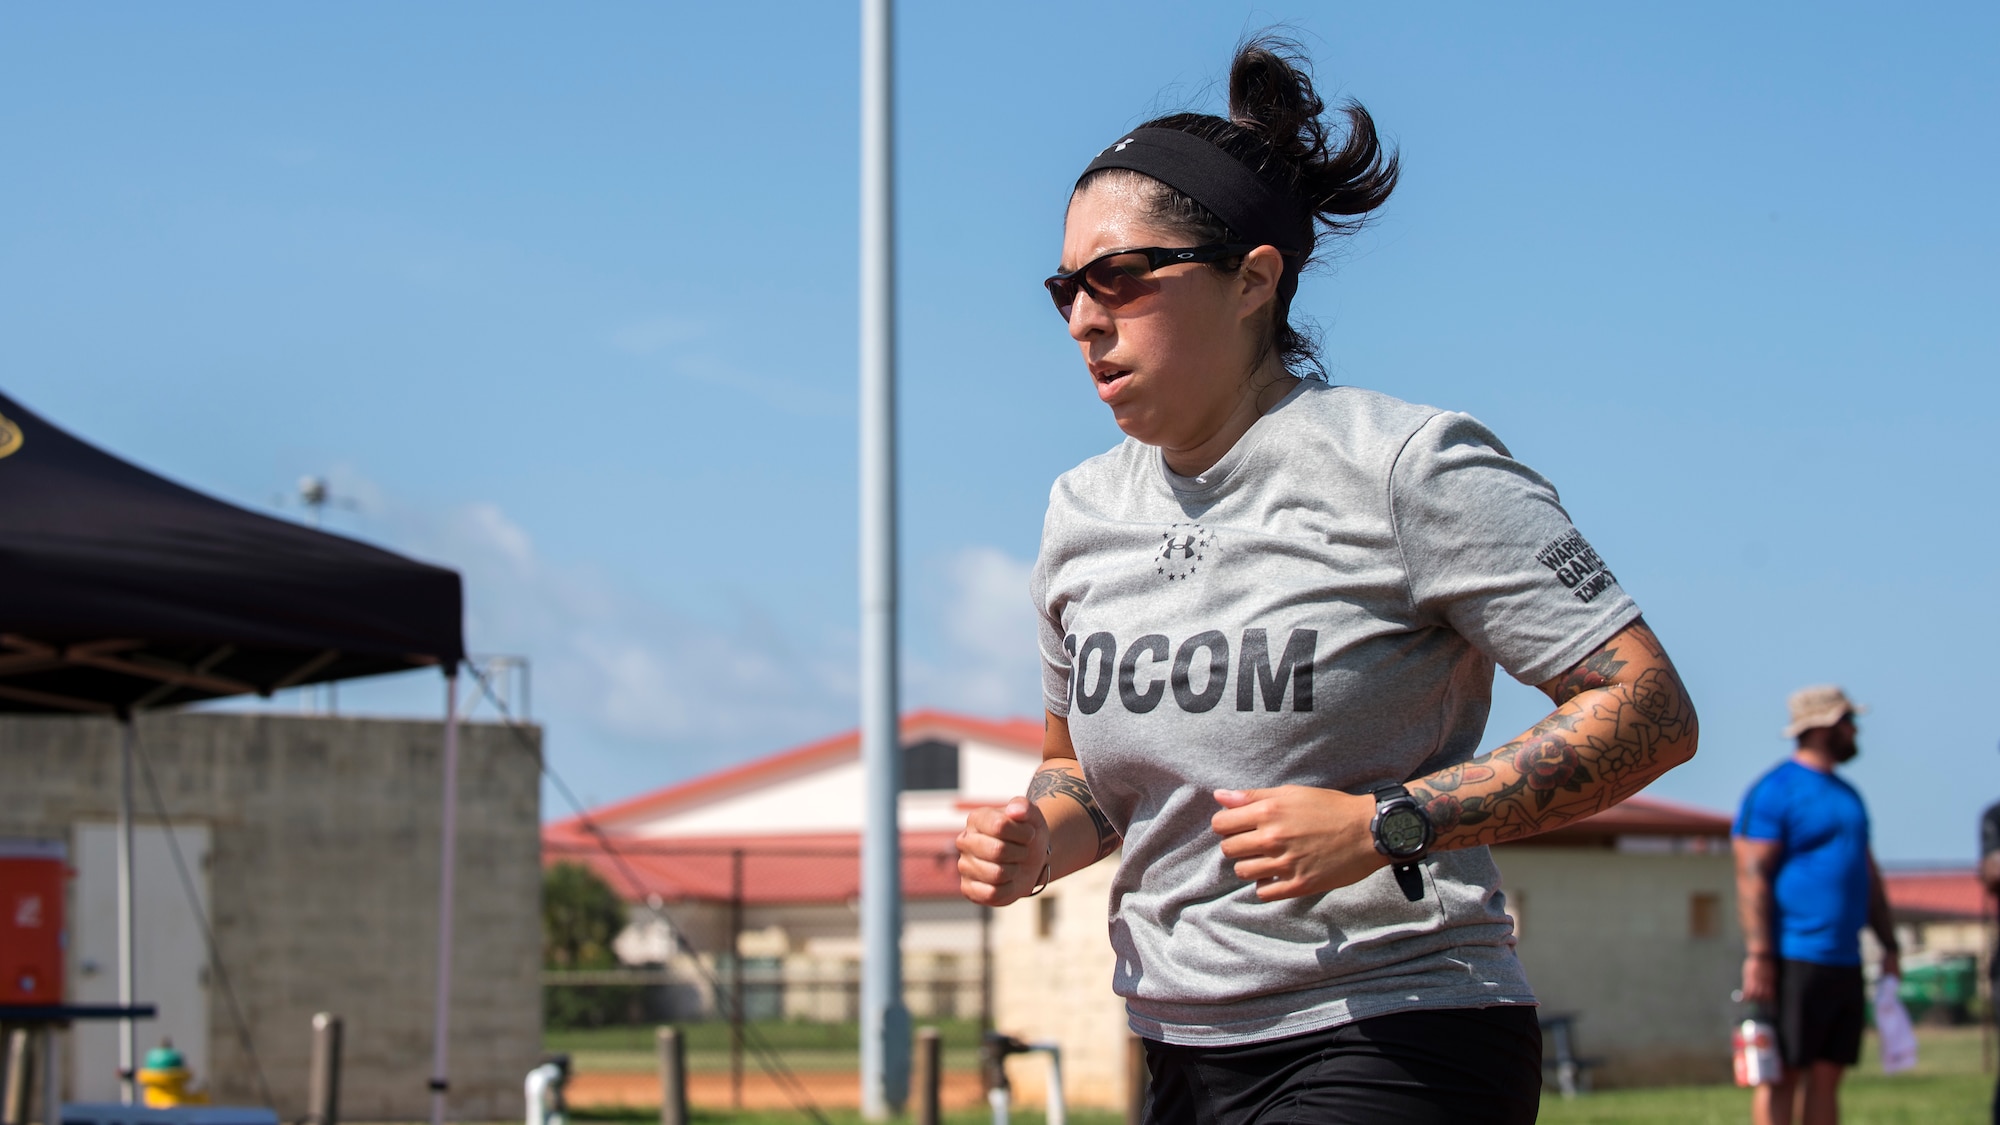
(566, 298)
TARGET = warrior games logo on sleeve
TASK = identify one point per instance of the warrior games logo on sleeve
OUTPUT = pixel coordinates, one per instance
(1577, 566)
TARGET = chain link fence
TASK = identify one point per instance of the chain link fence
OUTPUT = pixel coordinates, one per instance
(767, 931)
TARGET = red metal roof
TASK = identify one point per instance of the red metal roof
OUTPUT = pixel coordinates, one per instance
(823, 868)
(1637, 816)
(1937, 895)
(826, 867)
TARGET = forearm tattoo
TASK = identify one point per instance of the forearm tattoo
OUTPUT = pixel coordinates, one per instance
(1605, 741)
(1053, 780)
(1880, 918)
(1753, 899)
(1754, 911)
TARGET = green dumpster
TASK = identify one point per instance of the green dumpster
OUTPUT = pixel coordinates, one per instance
(1940, 990)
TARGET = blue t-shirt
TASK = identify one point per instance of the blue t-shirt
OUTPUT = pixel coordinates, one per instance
(1821, 888)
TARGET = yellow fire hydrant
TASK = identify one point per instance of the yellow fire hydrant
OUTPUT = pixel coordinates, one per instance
(166, 1081)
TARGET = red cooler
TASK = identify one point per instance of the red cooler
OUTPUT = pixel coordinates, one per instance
(31, 921)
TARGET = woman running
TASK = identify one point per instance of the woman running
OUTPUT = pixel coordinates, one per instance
(1269, 623)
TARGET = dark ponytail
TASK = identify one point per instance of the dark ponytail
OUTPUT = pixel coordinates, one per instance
(1276, 129)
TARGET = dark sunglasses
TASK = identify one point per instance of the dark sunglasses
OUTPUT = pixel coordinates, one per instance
(1123, 276)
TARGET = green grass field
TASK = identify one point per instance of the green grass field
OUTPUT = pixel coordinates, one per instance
(1949, 1086)
(701, 1116)
(803, 1046)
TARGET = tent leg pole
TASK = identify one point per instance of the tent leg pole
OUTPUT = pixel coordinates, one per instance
(51, 1080)
(128, 1031)
(448, 850)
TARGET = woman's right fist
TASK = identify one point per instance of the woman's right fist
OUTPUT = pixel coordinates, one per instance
(1002, 852)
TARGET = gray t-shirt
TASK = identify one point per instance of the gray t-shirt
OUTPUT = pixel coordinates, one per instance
(1323, 607)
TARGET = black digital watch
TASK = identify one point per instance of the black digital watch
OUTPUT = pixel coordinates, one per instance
(1403, 832)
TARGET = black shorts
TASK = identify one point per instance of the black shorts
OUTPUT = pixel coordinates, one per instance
(1458, 1065)
(1821, 1012)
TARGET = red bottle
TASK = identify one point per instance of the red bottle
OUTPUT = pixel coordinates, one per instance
(1754, 1050)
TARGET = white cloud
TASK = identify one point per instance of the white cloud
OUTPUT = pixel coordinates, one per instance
(487, 524)
(636, 688)
(636, 693)
(676, 345)
(613, 669)
(650, 337)
(788, 395)
(990, 663)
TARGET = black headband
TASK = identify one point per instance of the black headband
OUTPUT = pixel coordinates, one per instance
(1249, 207)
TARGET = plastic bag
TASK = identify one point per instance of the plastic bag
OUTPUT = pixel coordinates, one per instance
(1892, 1023)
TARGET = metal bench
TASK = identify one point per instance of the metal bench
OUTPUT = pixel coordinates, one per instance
(1570, 1070)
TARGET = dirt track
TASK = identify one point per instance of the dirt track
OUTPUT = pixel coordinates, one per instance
(832, 1088)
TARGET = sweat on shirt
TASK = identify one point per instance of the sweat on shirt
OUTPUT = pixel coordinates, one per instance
(1322, 607)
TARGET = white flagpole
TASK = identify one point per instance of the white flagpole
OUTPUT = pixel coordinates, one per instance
(885, 1022)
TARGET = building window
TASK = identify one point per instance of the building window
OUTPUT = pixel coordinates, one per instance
(930, 764)
(1704, 915)
(1045, 916)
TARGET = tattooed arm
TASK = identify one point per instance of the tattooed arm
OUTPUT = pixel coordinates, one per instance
(1009, 852)
(1622, 718)
(1082, 833)
(1882, 920)
(1756, 866)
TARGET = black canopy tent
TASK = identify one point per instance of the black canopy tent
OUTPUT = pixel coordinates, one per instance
(121, 591)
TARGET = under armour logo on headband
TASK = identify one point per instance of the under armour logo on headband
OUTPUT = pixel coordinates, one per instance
(1119, 147)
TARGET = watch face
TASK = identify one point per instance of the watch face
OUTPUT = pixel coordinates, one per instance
(1403, 830)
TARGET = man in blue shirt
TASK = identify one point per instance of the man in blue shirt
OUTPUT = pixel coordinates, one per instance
(1806, 882)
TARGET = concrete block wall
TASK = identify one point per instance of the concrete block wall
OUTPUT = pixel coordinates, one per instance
(323, 885)
(1052, 972)
(1607, 936)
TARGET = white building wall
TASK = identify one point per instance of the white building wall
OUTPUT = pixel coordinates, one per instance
(170, 954)
(1052, 971)
(1609, 937)
(994, 773)
(1606, 937)
(934, 810)
(819, 944)
(829, 798)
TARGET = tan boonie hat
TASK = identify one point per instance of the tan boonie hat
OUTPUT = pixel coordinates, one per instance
(1819, 706)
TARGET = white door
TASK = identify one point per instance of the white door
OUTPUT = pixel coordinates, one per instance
(172, 959)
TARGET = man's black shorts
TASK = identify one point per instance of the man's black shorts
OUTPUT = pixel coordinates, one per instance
(1821, 1011)
(1461, 1066)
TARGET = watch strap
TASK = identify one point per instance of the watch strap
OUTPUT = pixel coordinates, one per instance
(1410, 877)
(1408, 872)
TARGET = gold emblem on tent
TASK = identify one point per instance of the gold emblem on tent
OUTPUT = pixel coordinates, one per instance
(10, 437)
